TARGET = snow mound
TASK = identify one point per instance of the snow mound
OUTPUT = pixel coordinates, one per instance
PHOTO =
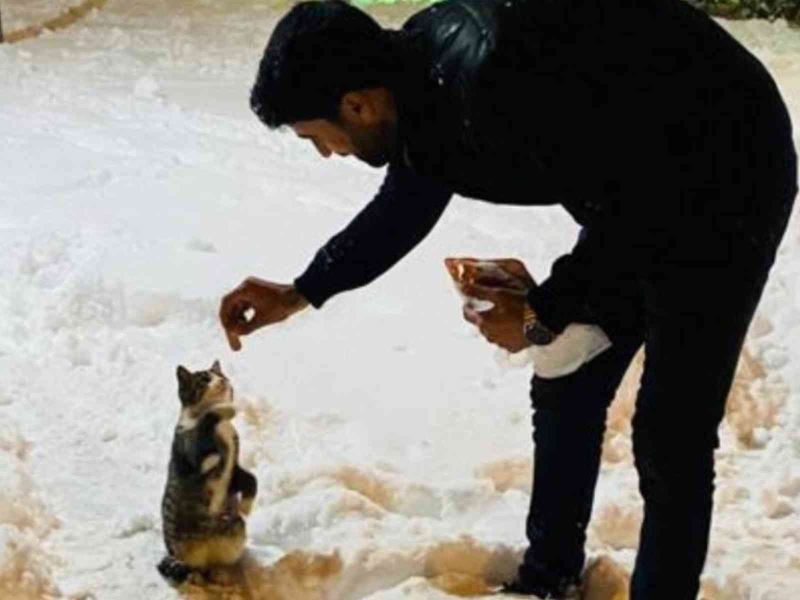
(24, 568)
(378, 492)
(754, 404)
(457, 568)
(605, 580)
(617, 525)
(466, 568)
(508, 474)
(24, 523)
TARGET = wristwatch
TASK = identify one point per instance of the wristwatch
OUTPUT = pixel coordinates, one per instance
(534, 331)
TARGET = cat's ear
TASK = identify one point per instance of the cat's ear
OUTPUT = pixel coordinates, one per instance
(216, 368)
(186, 387)
(184, 375)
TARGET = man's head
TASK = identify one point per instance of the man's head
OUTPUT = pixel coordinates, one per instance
(327, 72)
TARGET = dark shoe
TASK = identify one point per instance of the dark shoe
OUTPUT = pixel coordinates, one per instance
(524, 588)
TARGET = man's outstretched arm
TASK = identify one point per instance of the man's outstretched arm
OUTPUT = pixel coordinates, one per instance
(403, 212)
(399, 217)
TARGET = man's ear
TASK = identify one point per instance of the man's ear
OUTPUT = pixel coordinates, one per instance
(358, 108)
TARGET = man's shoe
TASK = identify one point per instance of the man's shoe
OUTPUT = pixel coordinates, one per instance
(522, 588)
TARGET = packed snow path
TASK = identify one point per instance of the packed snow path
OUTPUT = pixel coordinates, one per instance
(391, 444)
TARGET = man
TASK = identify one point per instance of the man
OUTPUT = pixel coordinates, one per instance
(655, 129)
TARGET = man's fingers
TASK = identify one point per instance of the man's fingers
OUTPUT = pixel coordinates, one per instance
(515, 267)
(233, 340)
(483, 324)
(246, 327)
(233, 315)
(235, 310)
(229, 309)
(515, 278)
(240, 327)
(481, 292)
(511, 284)
(244, 293)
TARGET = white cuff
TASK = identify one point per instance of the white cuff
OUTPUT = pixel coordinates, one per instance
(577, 345)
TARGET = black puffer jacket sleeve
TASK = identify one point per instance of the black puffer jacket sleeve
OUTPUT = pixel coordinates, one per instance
(595, 283)
(400, 216)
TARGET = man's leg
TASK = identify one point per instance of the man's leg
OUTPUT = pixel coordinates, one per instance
(569, 422)
(697, 311)
(691, 356)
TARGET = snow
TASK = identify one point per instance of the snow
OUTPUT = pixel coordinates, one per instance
(392, 445)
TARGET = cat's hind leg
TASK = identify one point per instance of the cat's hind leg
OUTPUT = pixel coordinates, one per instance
(246, 483)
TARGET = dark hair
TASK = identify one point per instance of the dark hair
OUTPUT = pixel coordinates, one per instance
(320, 50)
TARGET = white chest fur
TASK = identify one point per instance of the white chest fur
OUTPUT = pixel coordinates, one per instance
(218, 485)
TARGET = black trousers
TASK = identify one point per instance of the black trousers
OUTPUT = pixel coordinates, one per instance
(693, 321)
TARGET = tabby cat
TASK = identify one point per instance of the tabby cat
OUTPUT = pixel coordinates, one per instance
(207, 492)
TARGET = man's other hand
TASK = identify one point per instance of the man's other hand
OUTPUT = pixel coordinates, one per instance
(254, 304)
(502, 324)
(503, 284)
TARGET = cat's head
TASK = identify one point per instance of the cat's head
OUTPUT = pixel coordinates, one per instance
(203, 390)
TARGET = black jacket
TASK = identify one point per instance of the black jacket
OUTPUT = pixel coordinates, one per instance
(637, 116)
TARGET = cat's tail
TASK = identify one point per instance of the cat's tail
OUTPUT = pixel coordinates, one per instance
(174, 570)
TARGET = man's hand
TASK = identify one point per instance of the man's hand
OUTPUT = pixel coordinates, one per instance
(502, 324)
(256, 303)
(503, 282)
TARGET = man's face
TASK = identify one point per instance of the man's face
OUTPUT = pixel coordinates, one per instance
(327, 137)
(370, 145)
(360, 131)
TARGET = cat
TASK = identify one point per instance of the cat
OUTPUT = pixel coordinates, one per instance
(207, 493)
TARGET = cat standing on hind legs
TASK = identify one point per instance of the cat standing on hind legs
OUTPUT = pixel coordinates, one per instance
(207, 494)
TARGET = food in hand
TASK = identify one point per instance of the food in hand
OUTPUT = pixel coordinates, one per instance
(508, 273)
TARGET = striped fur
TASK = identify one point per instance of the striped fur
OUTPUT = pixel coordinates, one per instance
(207, 492)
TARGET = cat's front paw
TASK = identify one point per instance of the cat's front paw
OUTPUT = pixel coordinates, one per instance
(246, 507)
(225, 412)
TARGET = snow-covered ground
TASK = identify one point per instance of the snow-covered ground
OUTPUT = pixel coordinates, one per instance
(391, 443)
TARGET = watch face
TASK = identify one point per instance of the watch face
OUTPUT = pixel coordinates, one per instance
(538, 334)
